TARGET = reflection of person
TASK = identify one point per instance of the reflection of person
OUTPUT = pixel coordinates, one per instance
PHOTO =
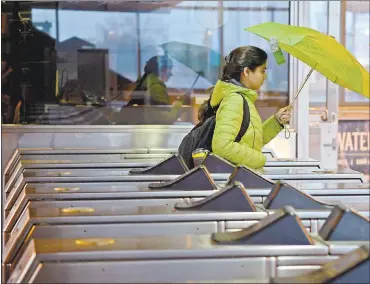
(150, 88)
(244, 73)
(5, 90)
(10, 92)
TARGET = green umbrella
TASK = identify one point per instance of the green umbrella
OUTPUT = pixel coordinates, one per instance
(320, 51)
(201, 59)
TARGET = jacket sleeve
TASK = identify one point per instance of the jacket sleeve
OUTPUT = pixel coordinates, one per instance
(228, 122)
(158, 92)
(270, 128)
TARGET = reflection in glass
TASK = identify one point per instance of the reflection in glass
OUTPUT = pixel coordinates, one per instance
(317, 84)
(81, 62)
(357, 36)
(274, 93)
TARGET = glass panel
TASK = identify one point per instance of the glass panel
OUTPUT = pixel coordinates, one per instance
(354, 145)
(76, 63)
(198, 4)
(353, 135)
(357, 37)
(257, 4)
(317, 83)
(274, 93)
(45, 20)
(169, 28)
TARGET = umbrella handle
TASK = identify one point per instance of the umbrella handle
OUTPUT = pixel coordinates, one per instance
(192, 86)
(287, 132)
(300, 89)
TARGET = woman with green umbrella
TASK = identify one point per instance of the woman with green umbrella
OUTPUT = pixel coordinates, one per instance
(244, 73)
(151, 88)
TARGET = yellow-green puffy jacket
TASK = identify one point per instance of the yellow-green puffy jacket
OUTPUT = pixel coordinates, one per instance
(157, 90)
(229, 118)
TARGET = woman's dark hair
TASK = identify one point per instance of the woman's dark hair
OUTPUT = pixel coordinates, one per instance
(235, 62)
(154, 65)
(241, 57)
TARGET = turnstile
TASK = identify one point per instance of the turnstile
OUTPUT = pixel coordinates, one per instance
(141, 220)
(248, 177)
(274, 174)
(93, 155)
(173, 165)
(39, 167)
(158, 259)
(283, 228)
(131, 229)
(201, 180)
(331, 186)
(132, 212)
(150, 265)
(356, 198)
(71, 208)
(143, 163)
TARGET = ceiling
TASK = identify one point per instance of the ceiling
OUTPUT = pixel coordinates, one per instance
(106, 5)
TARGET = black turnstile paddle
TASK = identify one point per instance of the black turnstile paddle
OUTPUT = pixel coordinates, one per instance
(281, 228)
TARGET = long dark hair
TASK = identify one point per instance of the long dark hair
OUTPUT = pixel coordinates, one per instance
(153, 65)
(235, 62)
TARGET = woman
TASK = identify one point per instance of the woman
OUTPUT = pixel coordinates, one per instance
(244, 73)
(150, 88)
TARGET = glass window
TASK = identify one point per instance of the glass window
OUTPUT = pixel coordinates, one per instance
(357, 17)
(198, 4)
(45, 20)
(97, 62)
(274, 94)
(111, 31)
(160, 31)
(317, 84)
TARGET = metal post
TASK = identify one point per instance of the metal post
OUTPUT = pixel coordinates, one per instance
(342, 39)
(57, 22)
(333, 90)
(299, 16)
(221, 31)
(138, 46)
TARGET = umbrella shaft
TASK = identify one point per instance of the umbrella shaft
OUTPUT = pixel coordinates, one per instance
(192, 86)
(300, 89)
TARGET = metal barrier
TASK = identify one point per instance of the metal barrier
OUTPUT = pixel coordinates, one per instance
(293, 240)
(108, 136)
(122, 227)
(208, 183)
(240, 174)
(73, 196)
(130, 164)
(93, 155)
(142, 218)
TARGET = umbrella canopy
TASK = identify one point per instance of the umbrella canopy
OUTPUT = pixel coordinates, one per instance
(201, 59)
(321, 52)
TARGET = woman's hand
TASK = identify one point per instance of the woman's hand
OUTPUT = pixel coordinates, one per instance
(283, 115)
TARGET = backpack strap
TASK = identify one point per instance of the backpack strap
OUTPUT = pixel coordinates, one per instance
(246, 119)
